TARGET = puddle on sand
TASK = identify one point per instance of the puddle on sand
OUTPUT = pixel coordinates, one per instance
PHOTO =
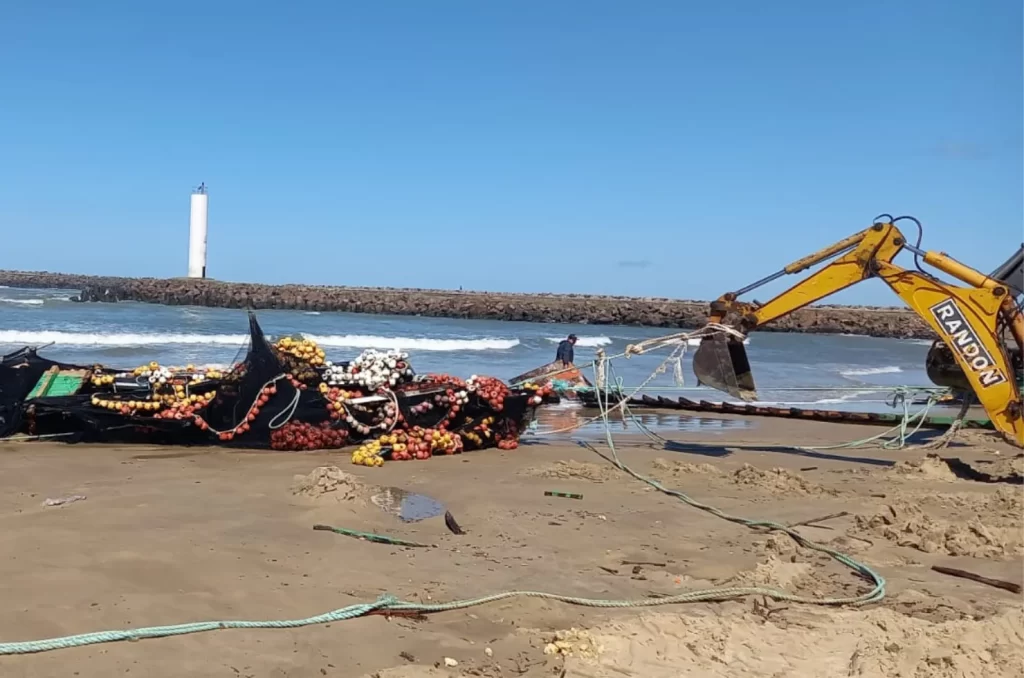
(408, 507)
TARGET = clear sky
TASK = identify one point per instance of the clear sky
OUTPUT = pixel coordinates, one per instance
(651, 148)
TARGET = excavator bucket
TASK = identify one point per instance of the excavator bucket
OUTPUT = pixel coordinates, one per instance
(943, 369)
(721, 363)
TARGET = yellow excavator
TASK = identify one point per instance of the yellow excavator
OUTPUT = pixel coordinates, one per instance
(971, 320)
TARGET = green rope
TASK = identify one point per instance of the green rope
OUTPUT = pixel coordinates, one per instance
(371, 536)
(900, 434)
(350, 612)
(874, 595)
(388, 603)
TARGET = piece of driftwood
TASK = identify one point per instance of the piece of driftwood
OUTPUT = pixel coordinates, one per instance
(643, 562)
(963, 574)
(812, 521)
(449, 521)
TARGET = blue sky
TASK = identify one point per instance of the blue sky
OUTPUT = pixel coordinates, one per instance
(650, 148)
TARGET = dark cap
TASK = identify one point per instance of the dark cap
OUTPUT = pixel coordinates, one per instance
(573, 336)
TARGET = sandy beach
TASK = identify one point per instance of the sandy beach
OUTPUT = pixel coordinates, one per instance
(173, 535)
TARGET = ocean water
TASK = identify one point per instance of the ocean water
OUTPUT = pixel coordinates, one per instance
(838, 372)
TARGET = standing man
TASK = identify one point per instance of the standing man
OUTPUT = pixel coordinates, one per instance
(564, 353)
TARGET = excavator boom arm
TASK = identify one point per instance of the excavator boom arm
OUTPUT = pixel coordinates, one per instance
(880, 242)
(968, 319)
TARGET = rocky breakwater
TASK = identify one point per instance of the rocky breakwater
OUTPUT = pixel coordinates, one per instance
(567, 308)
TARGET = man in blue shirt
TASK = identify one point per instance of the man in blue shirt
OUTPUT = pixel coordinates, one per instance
(564, 353)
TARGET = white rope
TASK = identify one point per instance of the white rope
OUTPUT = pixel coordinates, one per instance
(681, 338)
(288, 412)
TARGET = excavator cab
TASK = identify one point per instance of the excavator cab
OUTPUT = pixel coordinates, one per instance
(721, 362)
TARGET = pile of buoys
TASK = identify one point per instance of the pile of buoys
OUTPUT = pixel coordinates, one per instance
(368, 454)
(297, 435)
(187, 407)
(539, 392)
(421, 443)
(100, 379)
(300, 357)
(492, 390)
(306, 350)
(336, 398)
(154, 372)
(372, 370)
(451, 400)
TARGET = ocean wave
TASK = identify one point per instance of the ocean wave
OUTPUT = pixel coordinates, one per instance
(23, 302)
(413, 343)
(586, 342)
(118, 339)
(868, 371)
(22, 337)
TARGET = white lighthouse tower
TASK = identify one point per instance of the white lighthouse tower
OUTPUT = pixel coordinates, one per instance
(197, 233)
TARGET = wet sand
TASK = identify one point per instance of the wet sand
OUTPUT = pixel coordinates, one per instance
(167, 536)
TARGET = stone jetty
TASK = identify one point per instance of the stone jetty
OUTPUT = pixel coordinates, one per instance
(554, 308)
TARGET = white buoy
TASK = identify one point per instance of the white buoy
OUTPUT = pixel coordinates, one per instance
(197, 233)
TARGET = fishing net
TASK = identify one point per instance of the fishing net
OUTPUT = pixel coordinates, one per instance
(264, 392)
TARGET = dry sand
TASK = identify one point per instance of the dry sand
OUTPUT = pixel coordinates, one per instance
(169, 535)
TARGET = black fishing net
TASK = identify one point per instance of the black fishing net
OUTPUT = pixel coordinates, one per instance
(19, 373)
(255, 401)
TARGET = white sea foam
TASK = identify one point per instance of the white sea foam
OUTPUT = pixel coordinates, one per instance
(869, 371)
(116, 339)
(591, 342)
(414, 343)
(23, 302)
(346, 341)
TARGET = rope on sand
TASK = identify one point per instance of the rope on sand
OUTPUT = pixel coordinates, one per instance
(876, 593)
(388, 603)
